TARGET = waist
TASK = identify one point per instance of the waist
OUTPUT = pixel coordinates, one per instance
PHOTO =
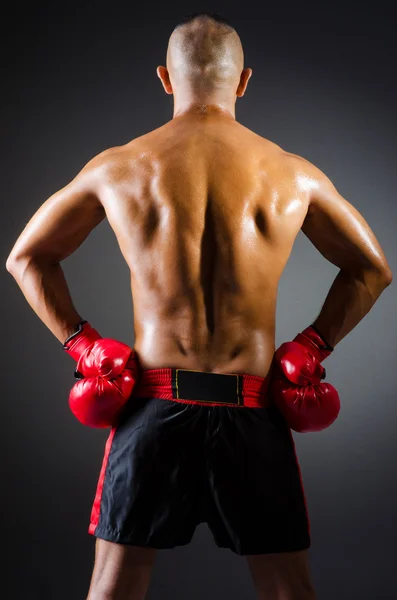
(200, 387)
(236, 348)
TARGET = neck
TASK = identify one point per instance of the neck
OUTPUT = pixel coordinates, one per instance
(196, 105)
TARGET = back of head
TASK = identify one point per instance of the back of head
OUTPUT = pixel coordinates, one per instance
(205, 53)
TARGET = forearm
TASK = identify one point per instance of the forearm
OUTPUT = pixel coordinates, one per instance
(348, 301)
(45, 288)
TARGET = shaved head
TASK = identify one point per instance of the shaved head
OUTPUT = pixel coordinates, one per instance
(205, 53)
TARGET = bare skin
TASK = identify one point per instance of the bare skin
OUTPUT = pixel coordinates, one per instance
(206, 213)
(284, 576)
(120, 572)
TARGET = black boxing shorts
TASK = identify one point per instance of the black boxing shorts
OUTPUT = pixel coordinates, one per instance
(194, 447)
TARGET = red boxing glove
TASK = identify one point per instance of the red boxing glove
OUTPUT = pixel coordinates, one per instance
(107, 372)
(295, 384)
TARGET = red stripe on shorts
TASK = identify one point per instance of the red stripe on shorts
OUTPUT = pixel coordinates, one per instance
(96, 507)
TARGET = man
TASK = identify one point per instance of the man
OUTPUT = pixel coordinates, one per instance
(206, 213)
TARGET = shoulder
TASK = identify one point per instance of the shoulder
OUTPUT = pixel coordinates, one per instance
(105, 160)
(98, 166)
(283, 159)
(307, 169)
(263, 144)
(119, 155)
(311, 180)
(111, 164)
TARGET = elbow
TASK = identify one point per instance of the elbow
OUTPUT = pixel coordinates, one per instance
(15, 264)
(11, 264)
(377, 279)
(382, 278)
(384, 273)
(387, 276)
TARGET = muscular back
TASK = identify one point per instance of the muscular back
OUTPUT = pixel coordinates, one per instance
(206, 213)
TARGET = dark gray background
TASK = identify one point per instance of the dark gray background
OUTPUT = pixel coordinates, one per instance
(79, 78)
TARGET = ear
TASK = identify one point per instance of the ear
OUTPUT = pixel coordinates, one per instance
(164, 76)
(244, 78)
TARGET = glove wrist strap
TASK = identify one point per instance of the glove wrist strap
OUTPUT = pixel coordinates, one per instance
(311, 339)
(76, 344)
(324, 341)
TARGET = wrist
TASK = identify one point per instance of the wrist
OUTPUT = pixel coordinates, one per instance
(77, 343)
(324, 340)
(314, 342)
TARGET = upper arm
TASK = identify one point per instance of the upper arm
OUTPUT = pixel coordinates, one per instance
(339, 231)
(64, 220)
